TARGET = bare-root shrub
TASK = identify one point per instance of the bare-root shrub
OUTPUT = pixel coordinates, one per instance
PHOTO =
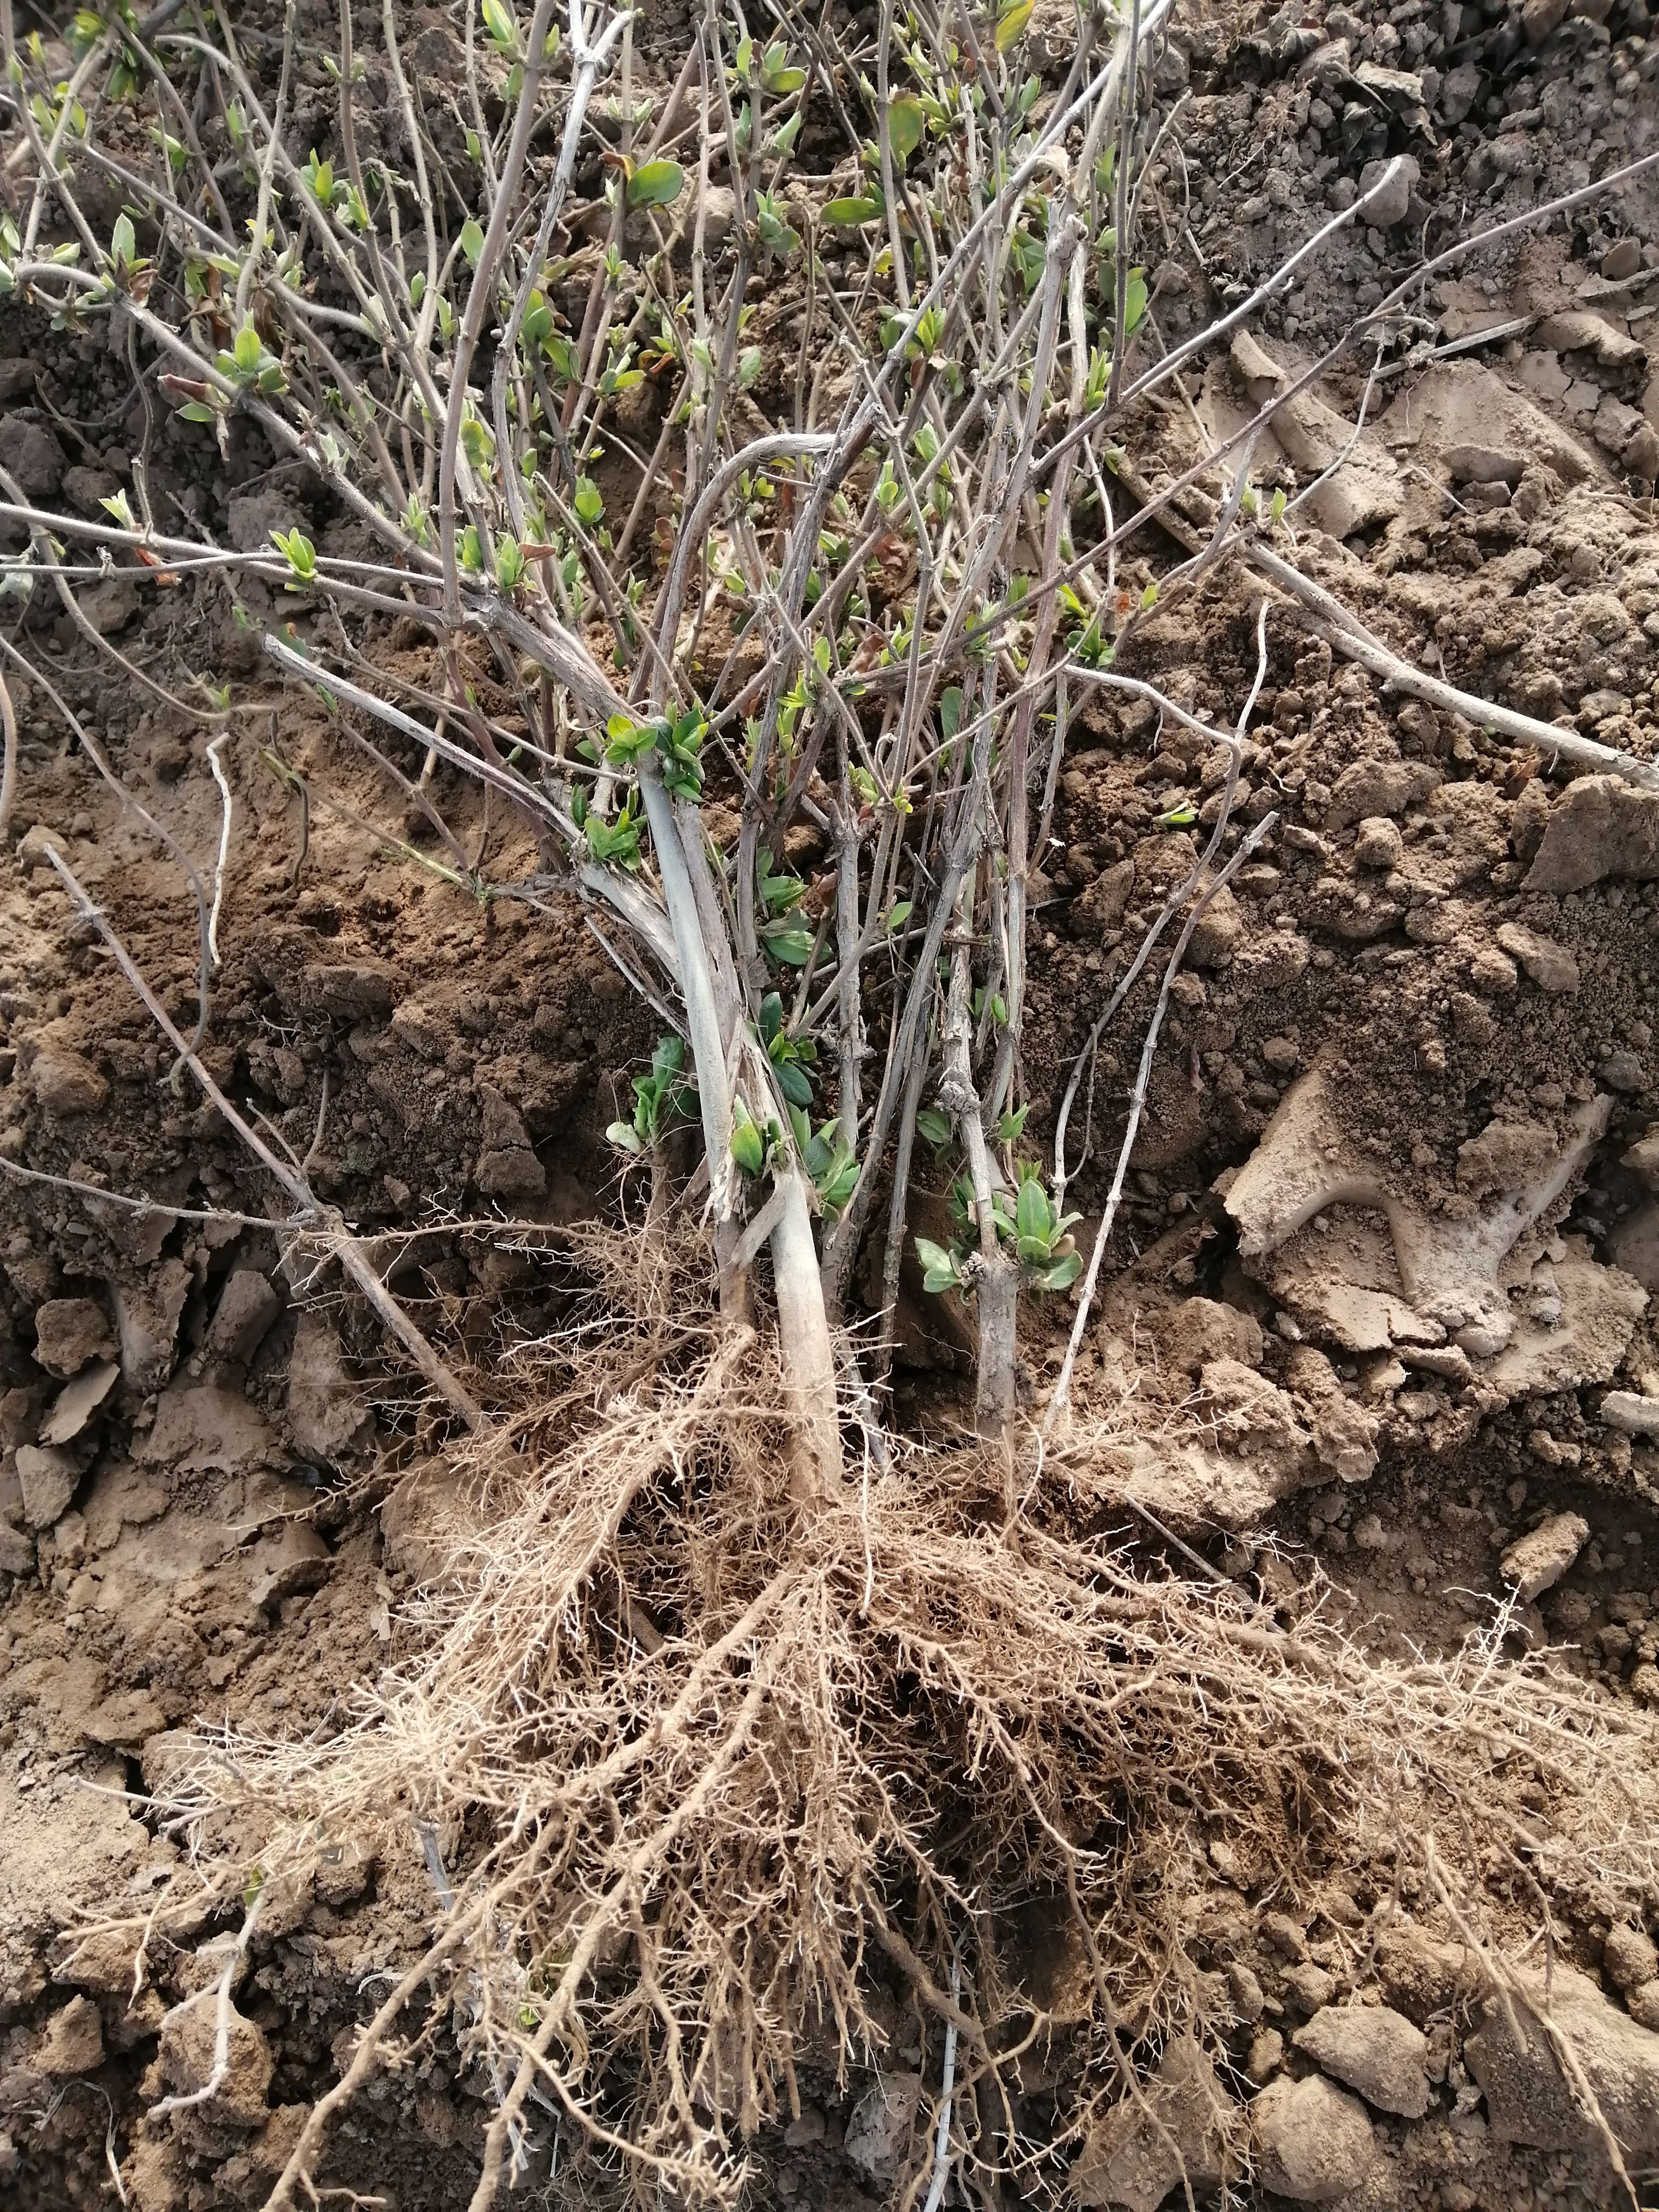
(707, 1762)
(729, 1691)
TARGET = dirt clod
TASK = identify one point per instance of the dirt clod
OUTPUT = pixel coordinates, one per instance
(1528, 2097)
(1373, 2049)
(192, 2060)
(73, 2041)
(1314, 2142)
(1543, 1555)
(68, 1331)
(1184, 2131)
(1630, 1957)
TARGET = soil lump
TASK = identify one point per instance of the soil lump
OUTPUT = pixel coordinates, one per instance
(1372, 2049)
(1314, 2142)
(1542, 1557)
(68, 1331)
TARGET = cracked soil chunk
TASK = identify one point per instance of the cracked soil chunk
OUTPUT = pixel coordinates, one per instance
(68, 1331)
(1601, 826)
(1314, 2142)
(1143, 2148)
(1373, 2049)
(1543, 1555)
(1529, 2098)
(189, 2060)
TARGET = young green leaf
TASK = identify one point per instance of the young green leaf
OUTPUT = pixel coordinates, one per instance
(655, 184)
(934, 1124)
(780, 892)
(940, 1269)
(792, 946)
(615, 843)
(472, 239)
(502, 29)
(776, 75)
(829, 1159)
(630, 741)
(777, 235)
(1134, 300)
(1031, 1212)
(300, 554)
(850, 213)
(1011, 23)
(906, 122)
(748, 1144)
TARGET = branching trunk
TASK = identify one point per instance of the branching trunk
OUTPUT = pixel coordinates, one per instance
(709, 1049)
(804, 1342)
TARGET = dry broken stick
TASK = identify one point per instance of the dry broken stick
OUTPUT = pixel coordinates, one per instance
(1344, 631)
(313, 1218)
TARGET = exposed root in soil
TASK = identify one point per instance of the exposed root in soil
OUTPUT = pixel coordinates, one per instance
(692, 1761)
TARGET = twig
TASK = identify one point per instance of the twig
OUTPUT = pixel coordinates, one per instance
(942, 2137)
(1137, 1102)
(8, 756)
(219, 777)
(1348, 636)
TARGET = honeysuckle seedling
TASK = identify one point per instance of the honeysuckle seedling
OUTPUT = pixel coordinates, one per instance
(791, 1056)
(297, 549)
(661, 1098)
